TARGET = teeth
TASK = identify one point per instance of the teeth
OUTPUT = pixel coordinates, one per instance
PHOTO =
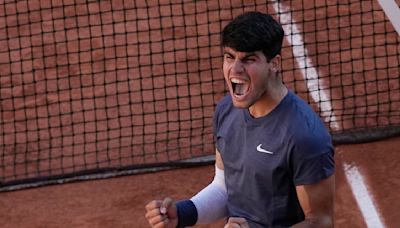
(237, 81)
(239, 87)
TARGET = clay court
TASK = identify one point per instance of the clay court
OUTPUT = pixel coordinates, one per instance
(92, 92)
(119, 202)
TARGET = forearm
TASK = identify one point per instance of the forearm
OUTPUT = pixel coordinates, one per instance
(207, 206)
(211, 201)
(317, 202)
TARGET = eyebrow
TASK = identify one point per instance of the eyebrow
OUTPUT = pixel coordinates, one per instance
(247, 55)
(251, 54)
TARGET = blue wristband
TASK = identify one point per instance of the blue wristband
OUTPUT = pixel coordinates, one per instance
(187, 213)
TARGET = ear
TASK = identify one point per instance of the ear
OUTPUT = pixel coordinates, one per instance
(276, 63)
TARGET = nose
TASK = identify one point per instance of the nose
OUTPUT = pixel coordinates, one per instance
(237, 67)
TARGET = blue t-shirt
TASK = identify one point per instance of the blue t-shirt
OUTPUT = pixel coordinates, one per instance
(265, 158)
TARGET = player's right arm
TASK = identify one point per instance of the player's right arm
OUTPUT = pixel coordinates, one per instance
(218, 160)
(211, 201)
(206, 206)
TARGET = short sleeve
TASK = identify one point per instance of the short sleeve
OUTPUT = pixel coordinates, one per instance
(314, 169)
(312, 161)
(219, 113)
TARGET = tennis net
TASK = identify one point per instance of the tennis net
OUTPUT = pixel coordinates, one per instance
(103, 88)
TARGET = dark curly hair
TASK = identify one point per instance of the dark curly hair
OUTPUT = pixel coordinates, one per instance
(254, 31)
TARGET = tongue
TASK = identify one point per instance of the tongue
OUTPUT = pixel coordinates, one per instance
(240, 89)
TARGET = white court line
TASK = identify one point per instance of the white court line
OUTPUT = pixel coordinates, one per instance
(309, 72)
(364, 201)
(392, 11)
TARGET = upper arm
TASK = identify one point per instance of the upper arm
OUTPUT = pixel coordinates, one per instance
(317, 202)
(218, 160)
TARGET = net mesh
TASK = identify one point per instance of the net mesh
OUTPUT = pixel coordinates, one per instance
(96, 86)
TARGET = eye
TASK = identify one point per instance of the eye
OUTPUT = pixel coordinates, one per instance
(228, 56)
(249, 60)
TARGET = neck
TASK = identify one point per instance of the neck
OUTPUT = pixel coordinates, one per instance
(268, 101)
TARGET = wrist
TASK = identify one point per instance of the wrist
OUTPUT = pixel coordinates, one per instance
(187, 213)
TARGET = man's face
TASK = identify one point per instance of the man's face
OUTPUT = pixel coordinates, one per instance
(247, 75)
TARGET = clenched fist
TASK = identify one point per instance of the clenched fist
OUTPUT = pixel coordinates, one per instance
(235, 222)
(162, 213)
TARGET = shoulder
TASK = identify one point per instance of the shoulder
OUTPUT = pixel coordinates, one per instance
(308, 132)
(224, 103)
(224, 107)
(225, 113)
(304, 118)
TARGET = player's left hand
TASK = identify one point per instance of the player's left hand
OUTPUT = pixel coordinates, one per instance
(236, 222)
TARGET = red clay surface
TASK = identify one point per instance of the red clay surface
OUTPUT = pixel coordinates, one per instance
(119, 202)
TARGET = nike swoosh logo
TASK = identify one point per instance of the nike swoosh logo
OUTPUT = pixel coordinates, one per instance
(260, 149)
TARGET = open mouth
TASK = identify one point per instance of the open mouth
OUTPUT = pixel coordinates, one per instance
(239, 87)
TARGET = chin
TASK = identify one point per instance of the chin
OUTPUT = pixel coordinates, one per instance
(241, 105)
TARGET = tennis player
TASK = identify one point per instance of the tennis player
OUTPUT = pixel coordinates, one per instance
(274, 156)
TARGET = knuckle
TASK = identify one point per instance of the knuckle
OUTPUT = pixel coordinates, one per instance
(149, 205)
(147, 216)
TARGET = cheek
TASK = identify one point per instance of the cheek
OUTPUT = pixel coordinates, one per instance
(262, 73)
(259, 79)
(225, 70)
(224, 67)
(254, 75)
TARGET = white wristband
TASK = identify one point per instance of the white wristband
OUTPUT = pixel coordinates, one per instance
(211, 201)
